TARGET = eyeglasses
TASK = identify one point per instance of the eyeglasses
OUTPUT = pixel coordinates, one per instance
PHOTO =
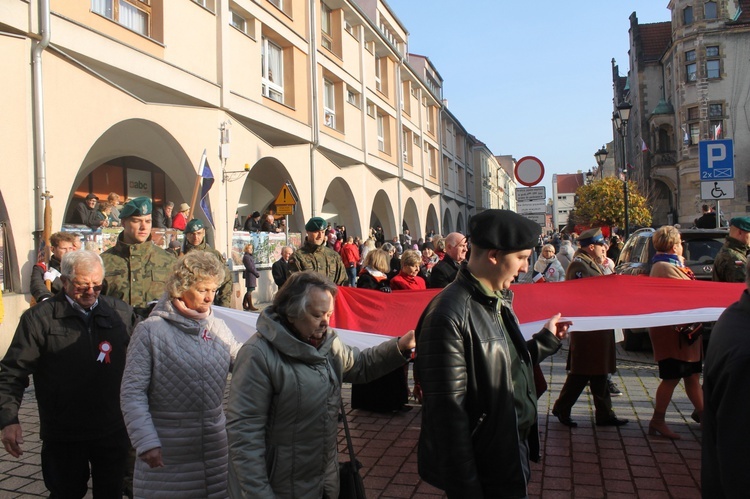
(85, 287)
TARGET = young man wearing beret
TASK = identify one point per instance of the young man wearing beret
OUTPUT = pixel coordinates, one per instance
(731, 261)
(315, 255)
(479, 411)
(592, 354)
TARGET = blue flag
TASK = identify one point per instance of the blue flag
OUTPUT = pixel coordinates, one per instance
(207, 183)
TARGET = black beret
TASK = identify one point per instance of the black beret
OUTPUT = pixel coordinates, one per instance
(504, 230)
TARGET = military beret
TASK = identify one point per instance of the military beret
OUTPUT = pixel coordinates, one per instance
(742, 223)
(591, 236)
(315, 224)
(193, 226)
(504, 230)
(137, 207)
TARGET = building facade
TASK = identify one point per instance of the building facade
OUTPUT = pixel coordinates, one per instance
(687, 83)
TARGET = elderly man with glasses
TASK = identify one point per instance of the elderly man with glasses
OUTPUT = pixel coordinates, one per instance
(74, 345)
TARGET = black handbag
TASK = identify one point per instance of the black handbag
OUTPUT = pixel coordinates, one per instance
(690, 332)
(351, 485)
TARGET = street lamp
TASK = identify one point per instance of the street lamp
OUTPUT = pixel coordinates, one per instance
(601, 157)
(621, 117)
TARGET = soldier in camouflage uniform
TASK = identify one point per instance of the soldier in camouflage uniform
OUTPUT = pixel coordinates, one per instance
(315, 255)
(136, 269)
(195, 239)
(730, 262)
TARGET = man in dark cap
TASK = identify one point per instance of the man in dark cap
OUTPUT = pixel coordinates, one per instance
(592, 353)
(479, 412)
(252, 224)
(86, 213)
(136, 269)
(195, 239)
(315, 255)
(731, 261)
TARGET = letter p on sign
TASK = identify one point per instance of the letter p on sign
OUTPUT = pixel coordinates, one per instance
(716, 154)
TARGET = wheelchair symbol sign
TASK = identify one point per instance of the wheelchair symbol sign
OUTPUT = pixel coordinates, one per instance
(717, 189)
(716, 160)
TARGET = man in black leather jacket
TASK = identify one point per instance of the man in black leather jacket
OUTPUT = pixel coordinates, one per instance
(479, 414)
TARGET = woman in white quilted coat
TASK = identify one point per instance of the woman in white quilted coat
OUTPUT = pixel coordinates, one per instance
(282, 414)
(173, 387)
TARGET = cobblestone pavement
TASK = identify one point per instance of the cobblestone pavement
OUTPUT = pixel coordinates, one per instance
(581, 462)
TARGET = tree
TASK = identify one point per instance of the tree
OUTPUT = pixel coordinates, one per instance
(602, 203)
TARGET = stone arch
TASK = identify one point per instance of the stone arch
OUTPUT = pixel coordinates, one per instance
(262, 184)
(411, 219)
(433, 222)
(11, 263)
(382, 214)
(340, 207)
(663, 210)
(447, 222)
(460, 223)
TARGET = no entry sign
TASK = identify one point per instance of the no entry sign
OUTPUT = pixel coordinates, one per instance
(529, 171)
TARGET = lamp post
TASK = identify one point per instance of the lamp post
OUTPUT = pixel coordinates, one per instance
(621, 117)
(601, 157)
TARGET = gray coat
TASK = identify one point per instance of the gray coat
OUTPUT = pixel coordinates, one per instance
(283, 405)
(171, 397)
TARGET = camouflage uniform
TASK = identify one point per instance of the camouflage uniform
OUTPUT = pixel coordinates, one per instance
(223, 296)
(730, 262)
(136, 273)
(321, 259)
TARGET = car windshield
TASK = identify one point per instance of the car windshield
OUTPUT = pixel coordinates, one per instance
(700, 251)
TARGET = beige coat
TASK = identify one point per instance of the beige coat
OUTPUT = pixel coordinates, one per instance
(668, 343)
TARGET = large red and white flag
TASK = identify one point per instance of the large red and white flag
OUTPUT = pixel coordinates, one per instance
(365, 317)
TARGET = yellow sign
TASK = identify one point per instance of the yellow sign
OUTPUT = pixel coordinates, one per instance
(284, 198)
(284, 209)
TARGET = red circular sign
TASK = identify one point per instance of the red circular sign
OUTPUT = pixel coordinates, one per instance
(529, 171)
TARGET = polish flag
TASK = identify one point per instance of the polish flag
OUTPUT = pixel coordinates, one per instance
(644, 147)
(717, 132)
(364, 317)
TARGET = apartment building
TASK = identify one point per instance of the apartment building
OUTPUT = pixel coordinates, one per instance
(687, 83)
(564, 187)
(126, 95)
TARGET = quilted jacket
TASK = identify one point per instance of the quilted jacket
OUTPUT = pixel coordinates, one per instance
(282, 414)
(171, 397)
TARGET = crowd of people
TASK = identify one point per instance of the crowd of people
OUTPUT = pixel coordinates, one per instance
(130, 363)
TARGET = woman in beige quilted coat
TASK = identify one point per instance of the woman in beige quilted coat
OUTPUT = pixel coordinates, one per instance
(173, 387)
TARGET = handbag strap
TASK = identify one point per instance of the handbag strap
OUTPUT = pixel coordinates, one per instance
(349, 445)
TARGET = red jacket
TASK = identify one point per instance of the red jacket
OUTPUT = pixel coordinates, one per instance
(350, 255)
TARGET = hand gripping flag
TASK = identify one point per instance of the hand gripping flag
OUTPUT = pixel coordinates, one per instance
(208, 181)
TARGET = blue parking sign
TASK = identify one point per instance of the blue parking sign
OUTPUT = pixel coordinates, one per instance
(716, 159)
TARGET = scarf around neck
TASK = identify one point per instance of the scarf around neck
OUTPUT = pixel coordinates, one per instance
(675, 260)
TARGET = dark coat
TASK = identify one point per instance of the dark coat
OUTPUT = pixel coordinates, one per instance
(38, 287)
(726, 396)
(592, 353)
(161, 220)
(250, 274)
(280, 271)
(469, 443)
(443, 273)
(77, 394)
(88, 216)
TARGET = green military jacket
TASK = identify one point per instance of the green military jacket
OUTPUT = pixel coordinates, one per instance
(136, 273)
(321, 259)
(730, 262)
(223, 296)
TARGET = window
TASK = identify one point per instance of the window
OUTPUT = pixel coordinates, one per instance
(352, 97)
(687, 16)
(416, 140)
(694, 127)
(238, 21)
(406, 98)
(208, 4)
(716, 129)
(381, 133)
(278, 3)
(713, 62)
(132, 14)
(325, 23)
(378, 80)
(709, 10)
(406, 144)
(691, 67)
(429, 118)
(370, 109)
(272, 62)
(329, 104)
(348, 27)
(715, 110)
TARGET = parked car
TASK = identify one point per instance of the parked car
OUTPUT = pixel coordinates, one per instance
(699, 247)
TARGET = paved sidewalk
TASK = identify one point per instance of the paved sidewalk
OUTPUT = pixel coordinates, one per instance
(582, 462)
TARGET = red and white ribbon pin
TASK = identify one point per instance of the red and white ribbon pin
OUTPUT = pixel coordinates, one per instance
(105, 347)
(205, 335)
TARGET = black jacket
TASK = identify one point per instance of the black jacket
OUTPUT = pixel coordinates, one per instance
(38, 288)
(161, 220)
(78, 396)
(443, 273)
(469, 443)
(280, 271)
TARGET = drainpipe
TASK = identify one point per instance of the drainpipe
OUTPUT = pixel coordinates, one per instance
(40, 165)
(315, 139)
(400, 141)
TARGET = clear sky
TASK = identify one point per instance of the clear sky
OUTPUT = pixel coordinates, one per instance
(529, 78)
